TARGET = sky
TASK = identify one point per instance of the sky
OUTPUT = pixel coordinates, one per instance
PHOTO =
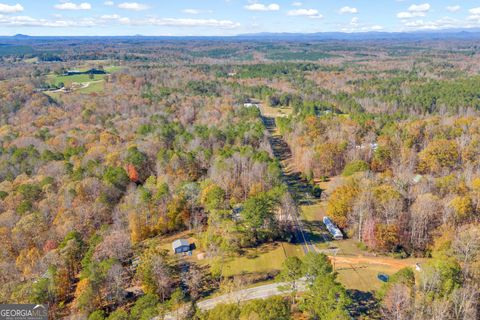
(231, 17)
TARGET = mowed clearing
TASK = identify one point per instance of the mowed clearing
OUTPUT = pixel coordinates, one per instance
(264, 259)
(80, 83)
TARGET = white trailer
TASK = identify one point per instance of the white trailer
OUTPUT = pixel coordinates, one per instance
(333, 229)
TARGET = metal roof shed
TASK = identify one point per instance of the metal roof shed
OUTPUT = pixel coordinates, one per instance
(180, 246)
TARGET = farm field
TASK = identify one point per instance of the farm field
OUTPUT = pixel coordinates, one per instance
(80, 83)
(81, 78)
(77, 78)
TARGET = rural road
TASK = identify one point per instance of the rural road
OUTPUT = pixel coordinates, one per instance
(282, 152)
(260, 292)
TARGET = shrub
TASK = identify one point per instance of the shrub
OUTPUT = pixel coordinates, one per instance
(354, 167)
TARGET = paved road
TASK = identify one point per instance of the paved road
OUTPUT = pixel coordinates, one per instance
(260, 292)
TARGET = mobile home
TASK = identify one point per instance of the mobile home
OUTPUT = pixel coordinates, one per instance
(333, 229)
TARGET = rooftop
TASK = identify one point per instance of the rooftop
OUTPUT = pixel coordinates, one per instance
(180, 243)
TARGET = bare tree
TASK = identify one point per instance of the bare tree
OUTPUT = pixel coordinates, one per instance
(162, 277)
(115, 245)
(194, 282)
(465, 303)
(424, 218)
(466, 245)
(398, 303)
(115, 283)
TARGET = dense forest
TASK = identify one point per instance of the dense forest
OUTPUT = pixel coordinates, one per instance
(101, 171)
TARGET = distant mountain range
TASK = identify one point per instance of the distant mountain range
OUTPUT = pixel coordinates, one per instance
(374, 35)
(21, 36)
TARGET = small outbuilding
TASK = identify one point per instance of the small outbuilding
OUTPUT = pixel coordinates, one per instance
(180, 246)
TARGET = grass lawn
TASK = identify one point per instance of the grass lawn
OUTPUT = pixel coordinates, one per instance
(275, 112)
(360, 272)
(78, 78)
(362, 277)
(111, 69)
(93, 87)
(314, 212)
(265, 258)
(347, 247)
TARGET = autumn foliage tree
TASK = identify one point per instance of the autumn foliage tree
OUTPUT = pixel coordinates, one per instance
(341, 202)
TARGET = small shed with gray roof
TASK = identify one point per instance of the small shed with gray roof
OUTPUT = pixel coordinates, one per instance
(180, 246)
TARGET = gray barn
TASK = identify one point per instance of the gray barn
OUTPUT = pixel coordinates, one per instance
(180, 246)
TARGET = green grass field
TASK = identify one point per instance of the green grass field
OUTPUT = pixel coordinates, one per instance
(93, 87)
(78, 78)
(96, 83)
(313, 212)
(362, 277)
(266, 258)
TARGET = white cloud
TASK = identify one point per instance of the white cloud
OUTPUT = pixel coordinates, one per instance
(174, 22)
(26, 21)
(262, 7)
(415, 10)
(109, 3)
(404, 15)
(356, 26)
(348, 10)
(196, 11)
(475, 11)
(474, 15)
(376, 27)
(297, 4)
(191, 11)
(443, 23)
(311, 13)
(110, 17)
(424, 7)
(453, 8)
(135, 6)
(5, 8)
(73, 6)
